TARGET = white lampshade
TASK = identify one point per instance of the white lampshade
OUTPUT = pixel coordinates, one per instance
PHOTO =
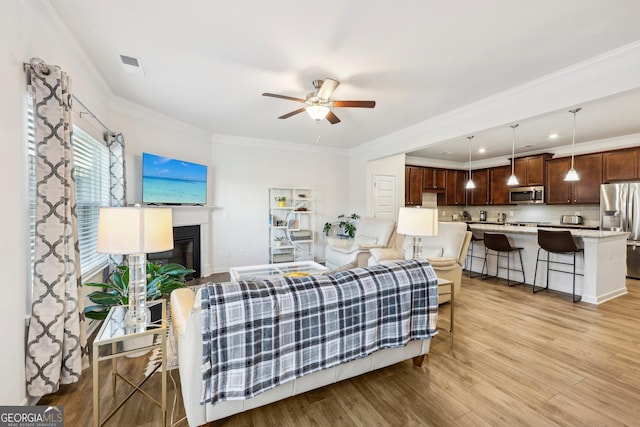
(572, 175)
(470, 185)
(513, 180)
(317, 112)
(134, 230)
(418, 221)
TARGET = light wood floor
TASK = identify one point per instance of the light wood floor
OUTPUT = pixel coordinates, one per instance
(519, 359)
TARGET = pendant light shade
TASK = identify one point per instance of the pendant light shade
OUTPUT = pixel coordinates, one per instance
(513, 180)
(572, 175)
(470, 185)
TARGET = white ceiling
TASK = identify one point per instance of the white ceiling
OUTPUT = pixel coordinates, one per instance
(208, 62)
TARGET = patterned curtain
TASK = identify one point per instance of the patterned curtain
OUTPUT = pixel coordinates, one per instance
(56, 349)
(118, 188)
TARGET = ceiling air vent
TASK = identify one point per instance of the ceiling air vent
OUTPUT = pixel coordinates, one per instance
(132, 64)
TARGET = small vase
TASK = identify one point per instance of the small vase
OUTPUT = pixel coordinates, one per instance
(281, 204)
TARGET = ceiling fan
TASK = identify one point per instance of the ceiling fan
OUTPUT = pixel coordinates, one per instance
(319, 102)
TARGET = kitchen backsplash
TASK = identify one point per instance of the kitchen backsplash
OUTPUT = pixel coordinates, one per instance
(525, 213)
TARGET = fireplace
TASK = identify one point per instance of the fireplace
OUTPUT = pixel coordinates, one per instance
(186, 250)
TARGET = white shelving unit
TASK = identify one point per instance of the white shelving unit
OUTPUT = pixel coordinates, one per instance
(292, 222)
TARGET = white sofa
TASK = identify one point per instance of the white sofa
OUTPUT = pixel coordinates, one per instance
(446, 252)
(370, 233)
(187, 326)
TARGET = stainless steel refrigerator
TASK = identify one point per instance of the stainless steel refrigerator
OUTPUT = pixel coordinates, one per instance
(620, 211)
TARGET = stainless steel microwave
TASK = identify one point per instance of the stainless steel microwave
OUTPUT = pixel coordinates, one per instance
(526, 195)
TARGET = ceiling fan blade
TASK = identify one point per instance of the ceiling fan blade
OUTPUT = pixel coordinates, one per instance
(358, 104)
(327, 88)
(333, 119)
(290, 98)
(293, 113)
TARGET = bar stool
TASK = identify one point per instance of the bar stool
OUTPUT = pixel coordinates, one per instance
(557, 242)
(500, 244)
(470, 255)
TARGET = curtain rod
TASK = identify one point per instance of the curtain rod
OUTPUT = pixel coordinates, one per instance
(41, 66)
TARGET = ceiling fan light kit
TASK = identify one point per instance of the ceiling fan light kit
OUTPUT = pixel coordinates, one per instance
(317, 112)
(319, 102)
(572, 175)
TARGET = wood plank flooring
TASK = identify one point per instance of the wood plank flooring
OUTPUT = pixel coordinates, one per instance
(518, 359)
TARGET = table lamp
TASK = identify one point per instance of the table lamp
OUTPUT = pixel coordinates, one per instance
(418, 222)
(135, 231)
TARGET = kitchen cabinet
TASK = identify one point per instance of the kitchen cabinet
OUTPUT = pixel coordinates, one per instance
(621, 165)
(433, 179)
(585, 191)
(530, 170)
(455, 193)
(498, 189)
(413, 186)
(479, 196)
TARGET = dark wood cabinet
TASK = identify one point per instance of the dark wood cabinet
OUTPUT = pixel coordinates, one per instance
(412, 186)
(621, 165)
(589, 168)
(558, 190)
(455, 192)
(498, 189)
(585, 191)
(433, 179)
(530, 170)
(479, 196)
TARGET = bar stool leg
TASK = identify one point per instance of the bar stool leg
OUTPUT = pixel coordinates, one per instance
(535, 275)
(574, 280)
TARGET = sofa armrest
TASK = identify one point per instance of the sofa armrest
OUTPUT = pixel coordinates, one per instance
(386, 254)
(443, 262)
(182, 301)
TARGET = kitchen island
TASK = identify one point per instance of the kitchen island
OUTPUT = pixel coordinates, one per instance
(604, 264)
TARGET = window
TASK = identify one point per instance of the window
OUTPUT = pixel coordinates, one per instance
(91, 162)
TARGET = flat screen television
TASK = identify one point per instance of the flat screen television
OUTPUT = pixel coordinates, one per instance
(172, 181)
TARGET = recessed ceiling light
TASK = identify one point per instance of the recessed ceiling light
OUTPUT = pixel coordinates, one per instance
(481, 150)
(444, 153)
(553, 136)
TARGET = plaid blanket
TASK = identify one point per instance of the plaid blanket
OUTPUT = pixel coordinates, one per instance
(259, 334)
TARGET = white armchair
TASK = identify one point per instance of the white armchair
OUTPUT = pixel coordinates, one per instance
(446, 252)
(370, 233)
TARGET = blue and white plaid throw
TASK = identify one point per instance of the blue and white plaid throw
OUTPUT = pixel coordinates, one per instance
(259, 334)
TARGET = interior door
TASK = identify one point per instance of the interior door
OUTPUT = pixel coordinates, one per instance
(384, 196)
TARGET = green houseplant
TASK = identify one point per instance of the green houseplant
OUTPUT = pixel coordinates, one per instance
(161, 280)
(346, 223)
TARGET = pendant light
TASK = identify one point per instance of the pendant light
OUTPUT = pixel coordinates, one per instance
(513, 180)
(470, 185)
(572, 175)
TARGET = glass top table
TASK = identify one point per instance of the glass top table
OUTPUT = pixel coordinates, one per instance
(266, 271)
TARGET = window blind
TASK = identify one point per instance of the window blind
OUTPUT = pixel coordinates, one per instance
(91, 171)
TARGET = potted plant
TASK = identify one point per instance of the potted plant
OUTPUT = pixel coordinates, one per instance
(347, 225)
(281, 201)
(161, 280)
(279, 241)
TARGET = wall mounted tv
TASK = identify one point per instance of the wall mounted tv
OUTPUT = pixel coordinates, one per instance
(172, 181)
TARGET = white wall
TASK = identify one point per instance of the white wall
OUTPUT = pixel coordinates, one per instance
(244, 170)
(26, 30)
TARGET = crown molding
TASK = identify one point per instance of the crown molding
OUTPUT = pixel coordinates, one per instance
(245, 141)
(610, 73)
(138, 111)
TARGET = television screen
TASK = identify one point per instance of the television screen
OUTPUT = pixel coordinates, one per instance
(173, 181)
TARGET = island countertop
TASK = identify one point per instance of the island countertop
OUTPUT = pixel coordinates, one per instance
(596, 234)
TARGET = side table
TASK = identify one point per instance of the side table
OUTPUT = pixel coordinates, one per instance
(113, 341)
(445, 287)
